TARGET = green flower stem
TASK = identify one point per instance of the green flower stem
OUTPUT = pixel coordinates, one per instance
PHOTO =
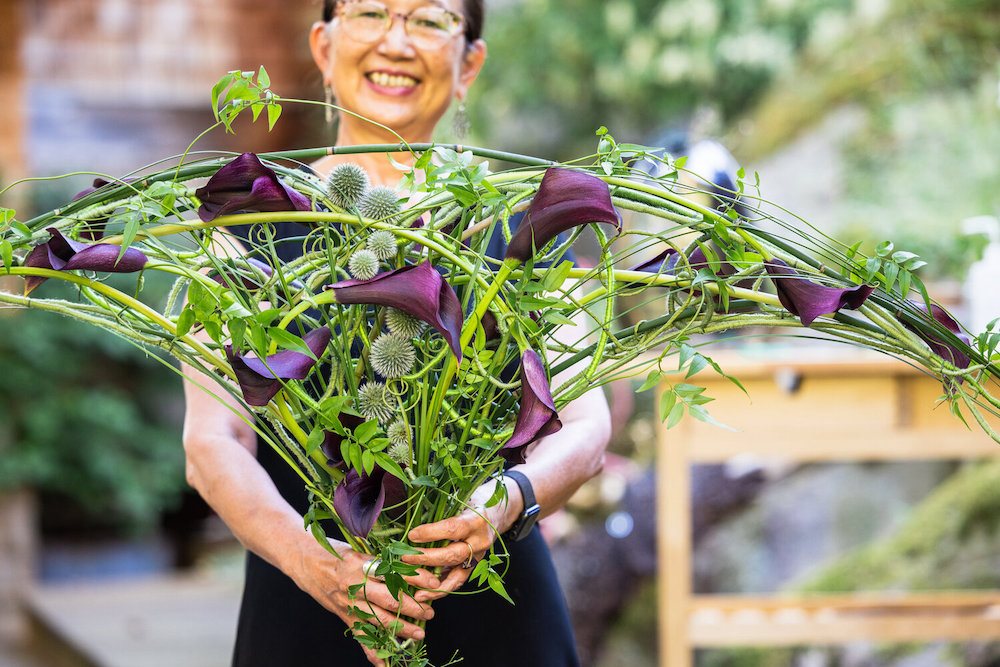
(128, 302)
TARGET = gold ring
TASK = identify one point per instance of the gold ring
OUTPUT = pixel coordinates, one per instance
(472, 555)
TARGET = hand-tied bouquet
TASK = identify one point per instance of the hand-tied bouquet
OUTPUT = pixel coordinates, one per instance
(396, 365)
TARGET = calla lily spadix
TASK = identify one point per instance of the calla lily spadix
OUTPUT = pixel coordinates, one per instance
(245, 184)
(261, 380)
(537, 416)
(565, 199)
(418, 290)
(64, 254)
(809, 300)
(360, 498)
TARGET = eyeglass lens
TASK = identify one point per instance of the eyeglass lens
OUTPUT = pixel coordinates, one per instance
(428, 26)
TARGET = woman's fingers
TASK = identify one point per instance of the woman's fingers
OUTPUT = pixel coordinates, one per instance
(454, 580)
(455, 553)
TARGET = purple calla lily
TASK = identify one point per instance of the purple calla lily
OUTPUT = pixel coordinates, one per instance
(565, 199)
(245, 184)
(944, 350)
(537, 416)
(65, 254)
(360, 498)
(261, 380)
(418, 290)
(809, 300)
(332, 439)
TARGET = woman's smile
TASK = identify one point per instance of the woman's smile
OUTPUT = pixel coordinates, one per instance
(388, 82)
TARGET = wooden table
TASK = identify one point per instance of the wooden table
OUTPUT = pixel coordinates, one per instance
(809, 405)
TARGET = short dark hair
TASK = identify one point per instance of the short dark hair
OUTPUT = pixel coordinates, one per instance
(474, 11)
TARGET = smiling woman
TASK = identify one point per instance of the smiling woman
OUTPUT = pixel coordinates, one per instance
(393, 69)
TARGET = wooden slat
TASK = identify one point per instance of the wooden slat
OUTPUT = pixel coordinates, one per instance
(849, 406)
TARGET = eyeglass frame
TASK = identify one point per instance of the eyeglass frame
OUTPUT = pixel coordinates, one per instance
(460, 24)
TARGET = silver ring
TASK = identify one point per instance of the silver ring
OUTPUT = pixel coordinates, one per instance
(369, 569)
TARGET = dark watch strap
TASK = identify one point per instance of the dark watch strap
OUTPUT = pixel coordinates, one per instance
(529, 516)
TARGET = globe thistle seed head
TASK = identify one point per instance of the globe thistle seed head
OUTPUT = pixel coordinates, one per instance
(398, 433)
(382, 243)
(375, 402)
(400, 453)
(363, 264)
(347, 184)
(392, 355)
(403, 323)
(379, 203)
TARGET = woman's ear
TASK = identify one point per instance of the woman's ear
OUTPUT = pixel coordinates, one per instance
(472, 64)
(319, 44)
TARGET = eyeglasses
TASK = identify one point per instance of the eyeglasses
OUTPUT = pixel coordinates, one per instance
(429, 26)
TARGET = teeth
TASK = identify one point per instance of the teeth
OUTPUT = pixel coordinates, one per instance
(392, 80)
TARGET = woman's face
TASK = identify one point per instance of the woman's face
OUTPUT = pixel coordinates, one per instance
(391, 80)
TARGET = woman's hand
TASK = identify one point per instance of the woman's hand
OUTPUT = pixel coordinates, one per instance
(329, 580)
(471, 535)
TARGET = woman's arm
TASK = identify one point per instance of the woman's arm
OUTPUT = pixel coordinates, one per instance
(220, 448)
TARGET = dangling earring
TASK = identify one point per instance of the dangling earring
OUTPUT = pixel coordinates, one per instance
(460, 121)
(328, 98)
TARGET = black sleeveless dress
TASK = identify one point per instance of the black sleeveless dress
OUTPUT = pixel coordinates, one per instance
(280, 625)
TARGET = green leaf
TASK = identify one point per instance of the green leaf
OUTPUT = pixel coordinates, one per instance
(365, 432)
(263, 80)
(217, 90)
(652, 380)
(21, 229)
(891, 271)
(675, 416)
(904, 283)
(497, 585)
(698, 363)
(555, 277)
(701, 414)
(557, 317)
(289, 341)
(273, 114)
(667, 403)
(7, 254)
(884, 249)
(185, 321)
(314, 440)
(402, 549)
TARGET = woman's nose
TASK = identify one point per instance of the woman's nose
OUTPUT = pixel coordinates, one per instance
(396, 39)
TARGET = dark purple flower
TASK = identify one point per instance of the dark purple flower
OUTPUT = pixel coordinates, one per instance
(945, 350)
(65, 254)
(261, 380)
(359, 498)
(809, 300)
(565, 199)
(537, 416)
(245, 184)
(332, 439)
(418, 290)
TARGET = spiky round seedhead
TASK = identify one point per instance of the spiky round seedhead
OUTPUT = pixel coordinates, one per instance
(392, 355)
(347, 184)
(403, 323)
(375, 402)
(363, 264)
(382, 243)
(400, 453)
(398, 433)
(380, 203)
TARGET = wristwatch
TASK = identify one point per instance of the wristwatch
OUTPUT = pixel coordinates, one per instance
(529, 516)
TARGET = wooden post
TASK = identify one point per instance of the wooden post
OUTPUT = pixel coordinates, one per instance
(12, 92)
(673, 505)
